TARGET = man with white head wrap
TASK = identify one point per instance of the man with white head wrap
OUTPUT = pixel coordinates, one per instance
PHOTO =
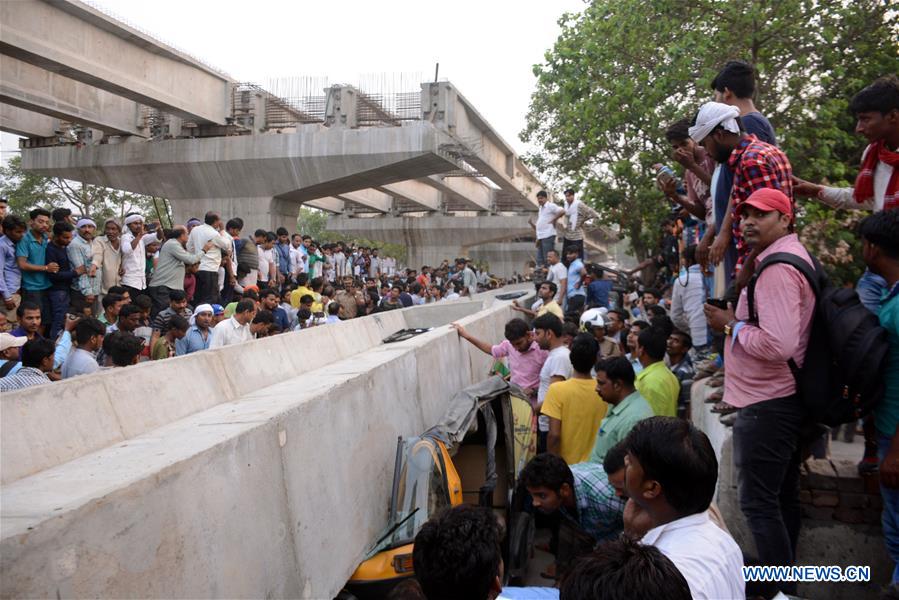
(712, 115)
(198, 336)
(107, 257)
(86, 286)
(134, 254)
(753, 163)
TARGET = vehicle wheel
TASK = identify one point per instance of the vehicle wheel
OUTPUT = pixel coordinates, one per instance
(521, 542)
(344, 595)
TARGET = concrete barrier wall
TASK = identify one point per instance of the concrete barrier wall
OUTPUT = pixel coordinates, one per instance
(47, 425)
(269, 481)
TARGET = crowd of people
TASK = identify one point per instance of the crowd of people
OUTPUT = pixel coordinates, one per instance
(628, 479)
(77, 300)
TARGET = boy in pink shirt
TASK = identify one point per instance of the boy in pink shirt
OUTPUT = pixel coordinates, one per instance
(525, 358)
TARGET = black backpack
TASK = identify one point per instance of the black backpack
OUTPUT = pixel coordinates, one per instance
(247, 257)
(841, 378)
(7, 367)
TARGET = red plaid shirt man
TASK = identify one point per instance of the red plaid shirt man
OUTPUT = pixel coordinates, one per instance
(755, 165)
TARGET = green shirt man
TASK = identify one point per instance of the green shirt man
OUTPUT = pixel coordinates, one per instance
(615, 384)
(660, 387)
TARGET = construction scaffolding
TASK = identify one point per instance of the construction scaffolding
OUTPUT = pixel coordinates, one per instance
(382, 100)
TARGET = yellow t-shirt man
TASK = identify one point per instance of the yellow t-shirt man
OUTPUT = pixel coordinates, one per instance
(298, 293)
(575, 403)
(551, 307)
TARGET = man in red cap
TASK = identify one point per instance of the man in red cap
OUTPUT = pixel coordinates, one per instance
(759, 381)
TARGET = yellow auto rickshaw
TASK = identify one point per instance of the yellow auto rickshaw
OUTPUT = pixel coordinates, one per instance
(473, 455)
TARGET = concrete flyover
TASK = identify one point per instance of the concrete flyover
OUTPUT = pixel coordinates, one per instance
(253, 471)
(80, 43)
(109, 105)
(262, 178)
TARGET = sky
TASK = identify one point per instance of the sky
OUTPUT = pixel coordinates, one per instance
(487, 48)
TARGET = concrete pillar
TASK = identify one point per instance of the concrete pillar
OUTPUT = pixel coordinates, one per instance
(340, 107)
(257, 213)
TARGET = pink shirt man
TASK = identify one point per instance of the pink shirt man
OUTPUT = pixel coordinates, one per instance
(524, 366)
(757, 355)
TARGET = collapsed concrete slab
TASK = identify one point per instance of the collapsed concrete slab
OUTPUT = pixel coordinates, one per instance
(259, 470)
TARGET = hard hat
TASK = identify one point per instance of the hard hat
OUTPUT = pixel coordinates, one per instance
(593, 318)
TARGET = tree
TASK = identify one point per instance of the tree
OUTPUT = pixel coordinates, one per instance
(312, 222)
(623, 70)
(25, 191)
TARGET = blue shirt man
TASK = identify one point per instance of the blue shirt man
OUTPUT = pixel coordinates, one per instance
(196, 339)
(576, 278)
(199, 335)
(11, 279)
(598, 293)
(34, 251)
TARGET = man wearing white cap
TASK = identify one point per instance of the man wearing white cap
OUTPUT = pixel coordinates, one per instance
(9, 353)
(37, 361)
(754, 164)
(86, 286)
(134, 254)
(198, 336)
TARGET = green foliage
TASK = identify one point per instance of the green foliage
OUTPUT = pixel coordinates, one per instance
(312, 221)
(623, 70)
(830, 236)
(26, 191)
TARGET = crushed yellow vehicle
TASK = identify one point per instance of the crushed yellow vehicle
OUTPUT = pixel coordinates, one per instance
(473, 456)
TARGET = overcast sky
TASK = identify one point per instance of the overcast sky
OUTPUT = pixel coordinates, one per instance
(486, 47)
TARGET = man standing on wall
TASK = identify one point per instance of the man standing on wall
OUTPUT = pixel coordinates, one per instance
(545, 227)
(578, 213)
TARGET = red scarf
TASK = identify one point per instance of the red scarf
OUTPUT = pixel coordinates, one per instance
(864, 183)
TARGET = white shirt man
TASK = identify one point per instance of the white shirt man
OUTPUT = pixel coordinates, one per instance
(134, 257)
(546, 219)
(558, 364)
(266, 258)
(340, 263)
(212, 258)
(706, 555)
(297, 265)
(231, 331)
(558, 274)
(842, 198)
(688, 295)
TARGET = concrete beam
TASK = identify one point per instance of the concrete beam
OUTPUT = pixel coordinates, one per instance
(26, 123)
(436, 230)
(468, 192)
(75, 40)
(313, 162)
(35, 89)
(331, 205)
(369, 198)
(478, 144)
(415, 192)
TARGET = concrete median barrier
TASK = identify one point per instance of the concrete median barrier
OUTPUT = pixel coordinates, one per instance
(260, 470)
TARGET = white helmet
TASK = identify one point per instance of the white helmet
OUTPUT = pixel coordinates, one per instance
(593, 318)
